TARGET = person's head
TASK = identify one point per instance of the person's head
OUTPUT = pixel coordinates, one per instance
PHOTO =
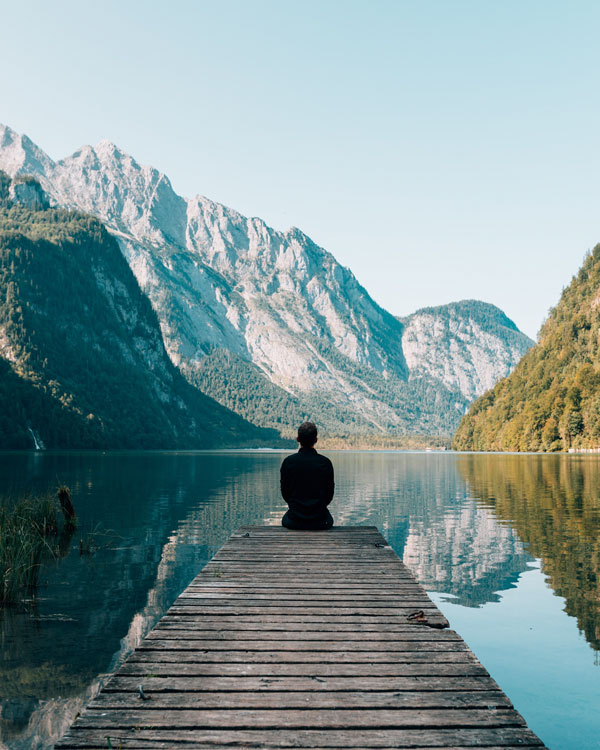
(307, 434)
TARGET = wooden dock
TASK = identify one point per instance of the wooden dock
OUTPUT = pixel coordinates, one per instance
(302, 640)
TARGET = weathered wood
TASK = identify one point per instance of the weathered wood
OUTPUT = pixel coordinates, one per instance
(298, 657)
(154, 740)
(259, 685)
(381, 590)
(302, 639)
(204, 600)
(197, 631)
(139, 739)
(186, 644)
(197, 719)
(185, 603)
(369, 738)
(142, 664)
(208, 599)
(295, 622)
(303, 590)
(297, 700)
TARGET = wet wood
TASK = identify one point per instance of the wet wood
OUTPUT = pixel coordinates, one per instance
(302, 639)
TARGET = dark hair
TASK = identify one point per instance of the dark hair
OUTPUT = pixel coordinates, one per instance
(307, 434)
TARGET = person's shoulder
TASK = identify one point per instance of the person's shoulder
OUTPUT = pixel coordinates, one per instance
(325, 460)
(289, 459)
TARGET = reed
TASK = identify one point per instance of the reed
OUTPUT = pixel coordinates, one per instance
(28, 530)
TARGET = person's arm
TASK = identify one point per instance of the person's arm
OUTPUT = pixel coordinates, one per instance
(285, 482)
(329, 484)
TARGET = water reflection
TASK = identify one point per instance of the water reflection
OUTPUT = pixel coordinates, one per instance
(553, 503)
(169, 512)
(421, 503)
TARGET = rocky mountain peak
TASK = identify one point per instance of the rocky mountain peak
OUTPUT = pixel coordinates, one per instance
(221, 281)
(19, 154)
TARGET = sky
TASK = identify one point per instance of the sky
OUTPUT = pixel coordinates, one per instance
(441, 149)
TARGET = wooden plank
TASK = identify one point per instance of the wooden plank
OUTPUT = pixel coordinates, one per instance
(220, 684)
(287, 591)
(307, 718)
(135, 741)
(390, 600)
(376, 590)
(155, 743)
(153, 740)
(258, 600)
(299, 657)
(298, 700)
(198, 631)
(143, 665)
(432, 613)
(387, 647)
(302, 639)
(305, 622)
(502, 736)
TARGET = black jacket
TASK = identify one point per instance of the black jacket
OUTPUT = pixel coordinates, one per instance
(307, 485)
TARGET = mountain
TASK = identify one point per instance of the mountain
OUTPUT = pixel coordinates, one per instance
(551, 401)
(82, 360)
(276, 307)
(467, 345)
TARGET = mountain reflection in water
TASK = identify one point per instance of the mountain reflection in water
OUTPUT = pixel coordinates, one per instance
(168, 513)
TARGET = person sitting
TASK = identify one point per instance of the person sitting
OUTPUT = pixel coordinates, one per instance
(307, 484)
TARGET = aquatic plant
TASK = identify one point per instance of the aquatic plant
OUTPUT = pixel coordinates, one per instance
(28, 533)
(25, 526)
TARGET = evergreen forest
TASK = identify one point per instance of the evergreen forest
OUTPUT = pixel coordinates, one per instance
(551, 401)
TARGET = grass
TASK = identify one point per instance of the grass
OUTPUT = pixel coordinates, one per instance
(28, 536)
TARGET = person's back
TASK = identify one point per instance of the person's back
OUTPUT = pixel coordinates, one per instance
(307, 484)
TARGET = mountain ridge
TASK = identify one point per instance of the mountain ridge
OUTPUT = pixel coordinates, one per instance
(278, 301)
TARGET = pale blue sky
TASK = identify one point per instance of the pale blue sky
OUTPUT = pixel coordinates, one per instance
(441, 149)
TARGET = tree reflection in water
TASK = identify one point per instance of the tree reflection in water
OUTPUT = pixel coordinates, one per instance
(553, 502)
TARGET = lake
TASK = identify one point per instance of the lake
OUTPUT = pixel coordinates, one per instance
(507, 545)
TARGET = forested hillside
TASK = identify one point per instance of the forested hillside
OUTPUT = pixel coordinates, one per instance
(423, 403)
(551, 401)
(82, 362)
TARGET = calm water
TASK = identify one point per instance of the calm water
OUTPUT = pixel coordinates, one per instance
(509, 545)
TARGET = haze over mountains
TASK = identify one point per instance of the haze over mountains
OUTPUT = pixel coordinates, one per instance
(267, 322)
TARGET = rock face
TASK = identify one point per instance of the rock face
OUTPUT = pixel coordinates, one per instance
(87, 367)
(469, 346)
(220, 281)
(28, 192)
